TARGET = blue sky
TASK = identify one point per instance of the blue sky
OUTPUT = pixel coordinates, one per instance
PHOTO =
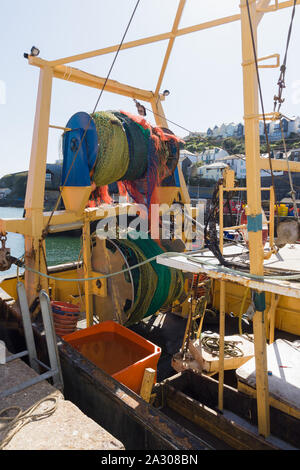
(204, 74)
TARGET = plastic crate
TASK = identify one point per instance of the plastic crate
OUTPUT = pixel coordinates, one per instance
(117, 350)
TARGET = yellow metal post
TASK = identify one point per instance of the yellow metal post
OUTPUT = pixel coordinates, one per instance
(170, 44)
(86, 248)
(271, 217)
(34, 200)
(221, 217)
(256, 254)
(147, 384)
(272, 314)
(161, 121)
(221, 345)
(222, 307)
(159, 114)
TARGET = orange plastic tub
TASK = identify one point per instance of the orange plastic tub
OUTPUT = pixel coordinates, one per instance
(118, 351)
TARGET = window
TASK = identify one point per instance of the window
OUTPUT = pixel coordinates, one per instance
(48, 177)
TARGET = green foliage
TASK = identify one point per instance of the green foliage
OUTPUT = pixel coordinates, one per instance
(235, 145)
(16, 182)
(19, 188)
(7, 181)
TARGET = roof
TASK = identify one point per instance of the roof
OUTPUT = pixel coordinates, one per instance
(187, 152)
(232, 157)
(213, 166)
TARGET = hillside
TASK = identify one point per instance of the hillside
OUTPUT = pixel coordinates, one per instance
(17, 183)
(234, 145)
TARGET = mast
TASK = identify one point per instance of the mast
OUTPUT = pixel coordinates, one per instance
(254, 210)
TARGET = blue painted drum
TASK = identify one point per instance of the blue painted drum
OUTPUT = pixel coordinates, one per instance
(83, 154)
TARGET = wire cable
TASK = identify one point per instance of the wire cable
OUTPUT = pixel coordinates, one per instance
(278, 100)
(188, 256)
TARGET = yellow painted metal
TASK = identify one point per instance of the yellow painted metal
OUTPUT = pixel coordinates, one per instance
(269, 66)
(75, 198)
(34, 199)
(222, 310)
(244, 388)
(235, 227)
(221, 217)
(228, 178)
(70, 74)
(271, 217)
(98, 287)
(274, 7)
(277, 6)
(261, 8)
(271, 317)
(221, 345)
(35, 191)
(147, 40)
(279, 165)
(185, 197)
(170, 45)
(65, 129)
(266, 66)
(158, 112)
(261, 367)
(21, 225)
(86, 248)
(166, 36)
(161, 121)
(256, 254)
(147, 384)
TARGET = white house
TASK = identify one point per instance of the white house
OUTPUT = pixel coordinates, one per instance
(236, 163)
(211, 155)
(4, 192)
(193, 157)
(294, 125)
(213, 171)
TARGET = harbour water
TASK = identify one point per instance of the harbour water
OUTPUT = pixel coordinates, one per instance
(59, 249)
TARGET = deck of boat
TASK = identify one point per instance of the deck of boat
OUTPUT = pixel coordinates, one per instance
(285, 262)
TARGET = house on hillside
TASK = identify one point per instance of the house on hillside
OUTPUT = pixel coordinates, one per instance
(4, 192)
(213, 171)
(209, 156)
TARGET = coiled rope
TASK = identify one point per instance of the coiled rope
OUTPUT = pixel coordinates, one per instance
(14, 424)
(137, 145)
(113, 154)
(132, 152)
(155, 285)
(211, 344)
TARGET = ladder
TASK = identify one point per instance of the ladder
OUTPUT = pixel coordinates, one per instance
(54, 370)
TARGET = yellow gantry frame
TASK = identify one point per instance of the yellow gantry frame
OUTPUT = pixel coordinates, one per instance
(35, 220)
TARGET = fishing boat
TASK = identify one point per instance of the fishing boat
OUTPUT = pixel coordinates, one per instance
(130, 313)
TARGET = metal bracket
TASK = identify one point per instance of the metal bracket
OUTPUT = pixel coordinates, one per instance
(270, 8)
(267, 66)
(274, 116)
(99, 286)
